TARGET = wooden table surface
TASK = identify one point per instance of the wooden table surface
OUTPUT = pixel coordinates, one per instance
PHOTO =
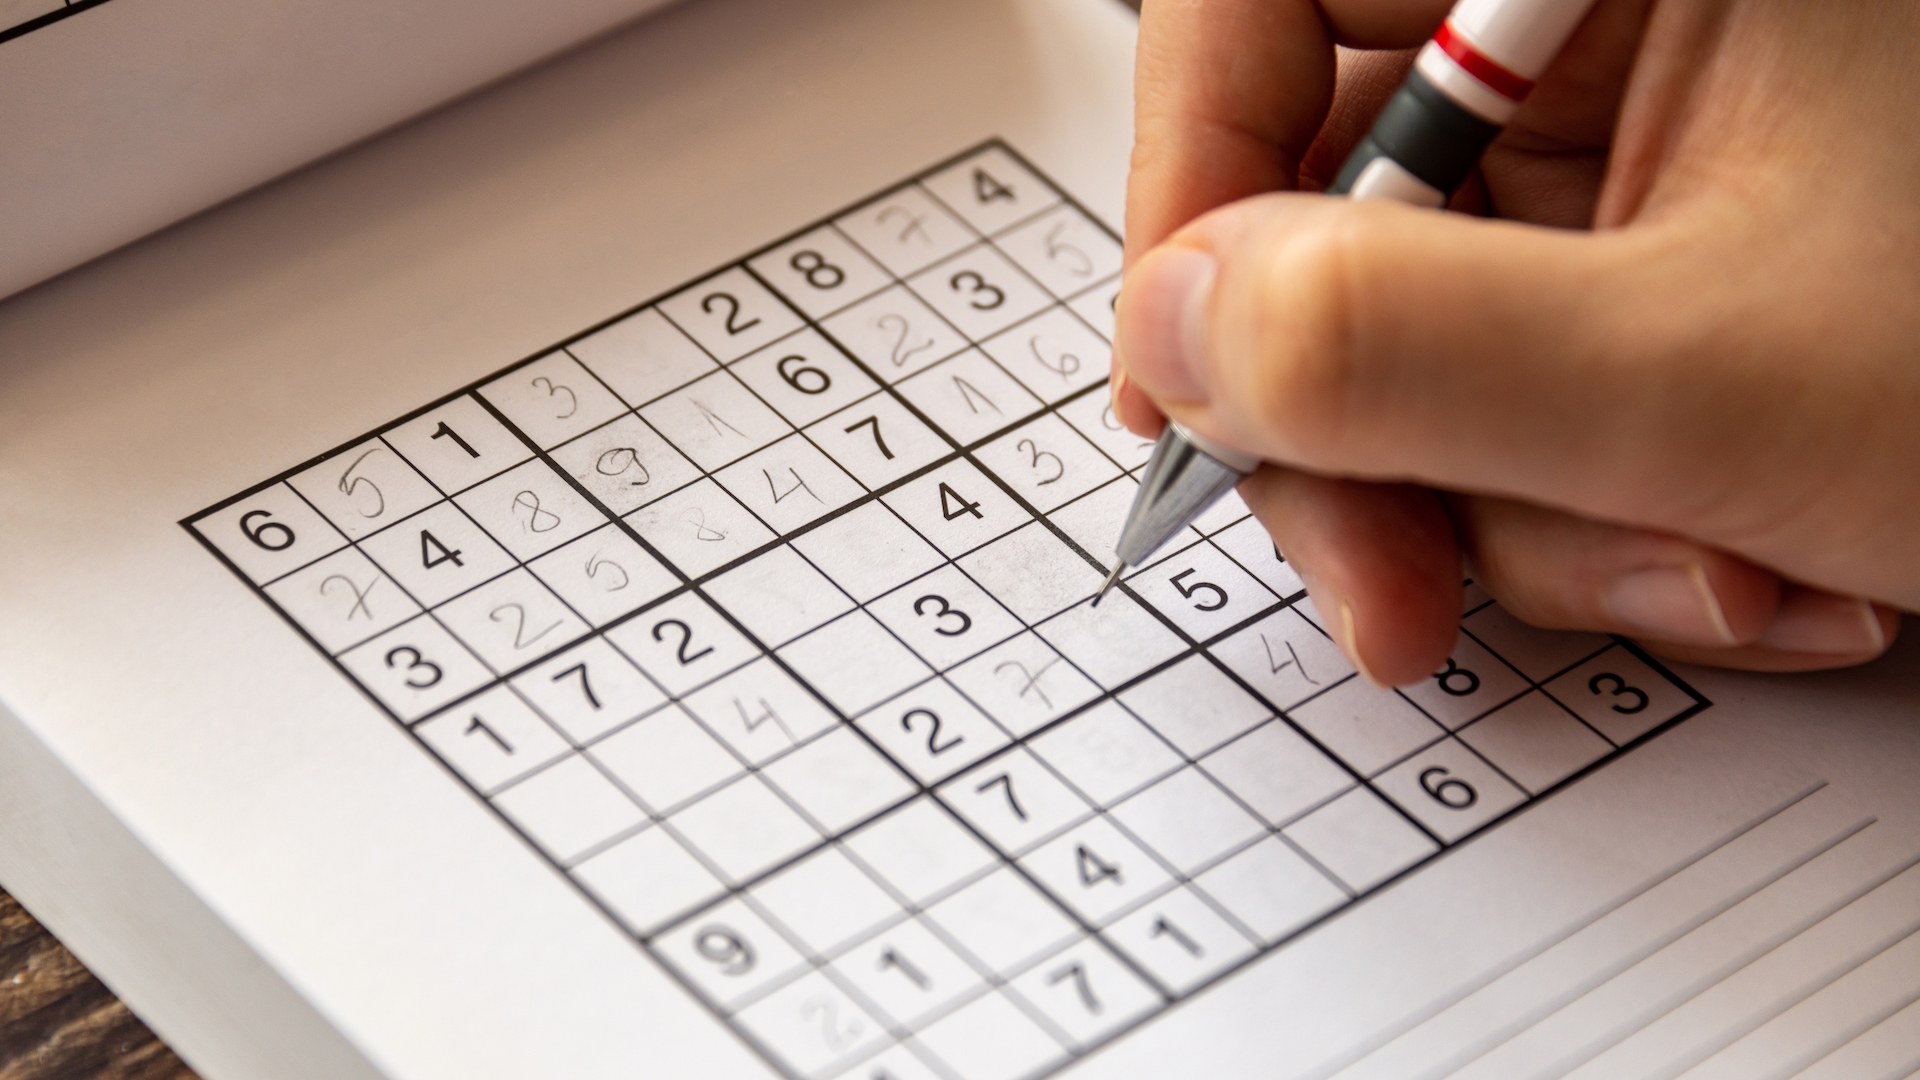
(57, 1022)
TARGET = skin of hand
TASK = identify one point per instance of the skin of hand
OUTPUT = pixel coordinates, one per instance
(1662, 377)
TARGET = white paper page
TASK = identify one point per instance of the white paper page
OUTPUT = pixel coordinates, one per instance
(735, 568)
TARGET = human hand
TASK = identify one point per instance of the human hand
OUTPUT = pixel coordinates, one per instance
(1670, 390)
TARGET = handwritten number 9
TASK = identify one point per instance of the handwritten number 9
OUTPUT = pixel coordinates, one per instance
(272, 536)
(415, 662)
(1619, 689)
(977, 288)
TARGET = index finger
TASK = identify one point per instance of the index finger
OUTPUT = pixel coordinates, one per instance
(1229, 95)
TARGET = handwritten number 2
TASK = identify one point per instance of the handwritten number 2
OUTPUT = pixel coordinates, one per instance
(733, 323)
(686, 639)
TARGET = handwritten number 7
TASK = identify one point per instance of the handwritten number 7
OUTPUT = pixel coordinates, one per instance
(1005, 781)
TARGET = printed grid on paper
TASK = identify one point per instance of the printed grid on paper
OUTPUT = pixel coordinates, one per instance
(763, 612)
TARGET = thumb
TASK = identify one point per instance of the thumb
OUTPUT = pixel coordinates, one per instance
(1377, 341)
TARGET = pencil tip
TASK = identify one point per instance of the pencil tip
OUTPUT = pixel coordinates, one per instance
(1111, 578)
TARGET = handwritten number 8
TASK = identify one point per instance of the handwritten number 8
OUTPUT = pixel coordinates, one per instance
(281, 539)
(819, 273)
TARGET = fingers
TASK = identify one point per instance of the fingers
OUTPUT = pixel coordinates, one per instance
(1379, 561)
(1678, 598)
(1229, 94)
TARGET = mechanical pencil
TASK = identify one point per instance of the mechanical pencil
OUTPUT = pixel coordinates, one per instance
(1464, 87)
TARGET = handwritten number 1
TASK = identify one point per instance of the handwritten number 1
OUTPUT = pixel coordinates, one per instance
(444, 431)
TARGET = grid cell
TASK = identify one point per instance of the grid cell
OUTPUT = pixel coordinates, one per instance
(1022, 683)
(569, 808)
(969, 396)
(270, 533)
(437, 554)
(683, 643)
(820, 271)
(1002, 921)
(920, 851)
(1096, 870)
(1471, 683)
(643, 357)
(1276, 772)
(1106, 753)
(944, 617)
(1365, 726)
(604, 575)
(1053, 354)
(1284, 658)
(1113, 641)
(1449, 789)
(1092, 416)
(867, 551)
(1095, 520)
(744, 828)
(1271, 890)
(1188, 821)
(956, 508)
(991, 190)
(908, 972)
(1098, 304)
(1086, 992)
(1047, 463)
(666, 759)
(715, 421)
(729, 953)
(979, 292)
(759, 711)
(458, 444)
(1228, 510)
(1063, 249)
(493, 740)
(1202, 591)
(625, 464)
(1032, 572)
(878, 440)
(894, 333)
(1360, 839)
(553, 399)
(1015, 801)
(647, 880)
(778, 596)
(838, 780)
(933, 731)
(789, 484)
(730, 314)
(1194, 706)
(589, 690)
(700, 528)
(530, 510)
(1247, 543)
(342, 600)
(1180, 940)
(415, 667)
(813, 1026)
(991, 1038)
(803, 377)
(905, 230)
(364, 488)
(854, 662)
(511, 620)
(1619, 695)
(1535, 741)
(826, 901)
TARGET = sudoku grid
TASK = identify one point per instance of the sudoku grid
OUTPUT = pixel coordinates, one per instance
(762, 611)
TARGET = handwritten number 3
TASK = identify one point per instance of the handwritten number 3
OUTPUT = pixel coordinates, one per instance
(978, 289)
(415, 662)
(1059, 467)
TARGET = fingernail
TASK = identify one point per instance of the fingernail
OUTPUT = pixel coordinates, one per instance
(1816, 621)
(1671, 603)
(1162, 331)
(1349, 639)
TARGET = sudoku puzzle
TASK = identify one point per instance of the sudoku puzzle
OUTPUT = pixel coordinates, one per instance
(762, 612)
